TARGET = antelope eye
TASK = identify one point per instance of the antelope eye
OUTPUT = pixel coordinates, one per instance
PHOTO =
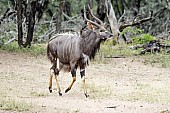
(102, 31)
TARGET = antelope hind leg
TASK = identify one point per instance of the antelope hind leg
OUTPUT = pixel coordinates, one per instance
(58, 87)
(56, 72)
(84, 87)
(82, 73)
(50, 81)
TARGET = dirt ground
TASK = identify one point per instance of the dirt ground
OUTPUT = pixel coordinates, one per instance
(120, 85)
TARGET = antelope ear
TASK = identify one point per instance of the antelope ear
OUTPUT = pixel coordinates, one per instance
(90, 26)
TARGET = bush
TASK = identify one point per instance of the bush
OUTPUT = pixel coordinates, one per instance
(143, 38)
(35, 49)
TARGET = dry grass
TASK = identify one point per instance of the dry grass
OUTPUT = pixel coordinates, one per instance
(98, 91)
(13, 105)
(25, 85)
(39, 94)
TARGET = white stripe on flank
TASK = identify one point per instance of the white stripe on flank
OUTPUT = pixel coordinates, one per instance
(68, 48)
(58, 64)
(65, 48)
(76, 43)
(58, 41)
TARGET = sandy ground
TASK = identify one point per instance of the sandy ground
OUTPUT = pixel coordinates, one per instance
(122, 85)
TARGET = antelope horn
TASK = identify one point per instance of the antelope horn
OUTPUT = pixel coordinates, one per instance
(85, 17)
(97, 19)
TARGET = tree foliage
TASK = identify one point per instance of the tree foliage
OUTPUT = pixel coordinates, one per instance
(45, 17)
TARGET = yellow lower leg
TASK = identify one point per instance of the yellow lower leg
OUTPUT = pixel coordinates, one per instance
(84, 87)
(58, 87)
(70, 86)
(50, 82)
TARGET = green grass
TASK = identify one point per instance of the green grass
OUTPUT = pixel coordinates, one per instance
(167, 42)
(35, 49)
(122, 50)
(13, 105)
(107, 50)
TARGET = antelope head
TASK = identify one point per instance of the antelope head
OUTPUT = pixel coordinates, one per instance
(99, 27)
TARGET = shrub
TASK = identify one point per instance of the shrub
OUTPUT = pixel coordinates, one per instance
(143, 38)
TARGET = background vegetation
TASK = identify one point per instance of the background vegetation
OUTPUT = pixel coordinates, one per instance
(139, 21)
(56, 16)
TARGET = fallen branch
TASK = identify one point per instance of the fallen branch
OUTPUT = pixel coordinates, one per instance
(9, 41)
(48, 33)
(7, 13)
(120, 19)
(115, 57)
(152, 47)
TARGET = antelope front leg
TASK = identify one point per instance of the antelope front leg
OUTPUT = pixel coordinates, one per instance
(82, 73)
(73, 72)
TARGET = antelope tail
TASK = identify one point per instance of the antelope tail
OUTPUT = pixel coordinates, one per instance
(49, 55)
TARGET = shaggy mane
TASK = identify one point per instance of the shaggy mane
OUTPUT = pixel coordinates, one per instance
(90, 36)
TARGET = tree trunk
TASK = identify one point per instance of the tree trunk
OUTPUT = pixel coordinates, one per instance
(101, 9)
(67, 8)
(31, 23)
(112, 19)
(19, 21)
(59, 16)
(91, 4)
(120, 9)
(136, 7)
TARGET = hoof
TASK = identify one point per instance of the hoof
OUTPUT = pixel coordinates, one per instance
(87, 95)
(60, 94)
(50, 89)
(67, 90)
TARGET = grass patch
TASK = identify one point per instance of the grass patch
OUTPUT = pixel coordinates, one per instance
(99, 92)
(13, 105)
(122, 50)
(160, 59)
(146, 93)
(36, 94)
(165, 111)
(35, 49)
(108, 50)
